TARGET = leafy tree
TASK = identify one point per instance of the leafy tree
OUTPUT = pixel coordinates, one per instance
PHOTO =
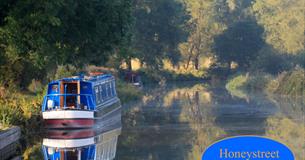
(158, 30)
(40, 35)
(239, 43)
(283, 21)
(203, 26)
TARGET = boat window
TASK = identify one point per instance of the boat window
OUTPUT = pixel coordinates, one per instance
(101, 92)
(113, 87)
(54, 88)
(106, 90)
(97, 95)
(111, 91)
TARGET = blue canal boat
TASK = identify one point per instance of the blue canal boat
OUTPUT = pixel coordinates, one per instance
(78, 102)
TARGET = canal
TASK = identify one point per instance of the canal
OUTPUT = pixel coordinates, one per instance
(179, 121)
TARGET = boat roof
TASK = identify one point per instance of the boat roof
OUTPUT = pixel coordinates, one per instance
(85, 78)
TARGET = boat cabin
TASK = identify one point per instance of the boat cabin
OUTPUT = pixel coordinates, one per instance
(79, 93)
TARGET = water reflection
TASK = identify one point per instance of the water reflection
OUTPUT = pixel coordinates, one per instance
(97, 143)
(181, 121)
(88, 144)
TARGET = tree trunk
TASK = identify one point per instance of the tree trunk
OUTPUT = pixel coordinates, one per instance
(129, 65)
(188, 62)
(196, 63)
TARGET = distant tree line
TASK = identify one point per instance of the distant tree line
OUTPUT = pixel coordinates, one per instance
(37, 36)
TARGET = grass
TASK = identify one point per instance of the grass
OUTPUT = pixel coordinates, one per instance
(127, 92)
(19, 108)
(288, 83)
(157, 76)
(237, 82)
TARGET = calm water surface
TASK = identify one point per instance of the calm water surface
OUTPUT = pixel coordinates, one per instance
(179, 121)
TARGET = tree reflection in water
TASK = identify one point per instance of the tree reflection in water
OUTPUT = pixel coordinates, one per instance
(181, 121)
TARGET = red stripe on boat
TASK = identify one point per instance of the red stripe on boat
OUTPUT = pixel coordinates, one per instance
(69, 123)
(70, 134)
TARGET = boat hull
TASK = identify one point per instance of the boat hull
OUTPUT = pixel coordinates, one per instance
(70, 119)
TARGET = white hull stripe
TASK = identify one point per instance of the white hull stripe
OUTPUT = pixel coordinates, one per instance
(68, 143)
(68, 114)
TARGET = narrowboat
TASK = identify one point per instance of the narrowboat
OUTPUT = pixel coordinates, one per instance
(86, 144)
(79, 102)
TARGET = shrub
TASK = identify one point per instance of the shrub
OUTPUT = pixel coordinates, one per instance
(35, 86)
(65, 71)
(290, 83)
(237, 82)
(258, 81)
(18, 109)
(127, 92)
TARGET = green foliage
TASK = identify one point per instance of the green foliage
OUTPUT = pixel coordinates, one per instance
(239, 43)
(35, 86)
(158, 31)
(283, 21)
(127, 92)
(290, 83)
(65, 71)
(33, 152)
(36, 36)
(161, 76)
(203, 25)
(19, 108)
(237, 82)
(258, 81)
(270, 62)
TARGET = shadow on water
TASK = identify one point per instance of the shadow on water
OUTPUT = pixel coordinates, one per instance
(242, 116)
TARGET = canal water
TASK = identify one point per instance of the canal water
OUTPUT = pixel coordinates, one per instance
(179, 121)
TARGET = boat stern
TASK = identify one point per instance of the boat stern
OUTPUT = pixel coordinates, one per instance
(68, 119)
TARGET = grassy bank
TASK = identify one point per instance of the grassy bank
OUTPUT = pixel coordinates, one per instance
(288, 83)
(157, 76)
(23, 108)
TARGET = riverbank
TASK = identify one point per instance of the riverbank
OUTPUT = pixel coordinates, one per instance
(23, 108)
(287, 83)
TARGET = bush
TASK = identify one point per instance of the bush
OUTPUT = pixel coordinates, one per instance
(249, 82)
(35, 86)
(64, 71)
(18, 109)
(258, 81)
(290, 83)
(153, 76)
(127, 92)
(238, 82)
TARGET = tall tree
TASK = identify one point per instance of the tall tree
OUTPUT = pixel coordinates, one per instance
(240, 43)
(284, 23)
(159, 30)
(203, 26)
(42, 34)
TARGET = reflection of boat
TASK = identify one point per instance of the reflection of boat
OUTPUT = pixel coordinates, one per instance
(86, 144)
(80, 101)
